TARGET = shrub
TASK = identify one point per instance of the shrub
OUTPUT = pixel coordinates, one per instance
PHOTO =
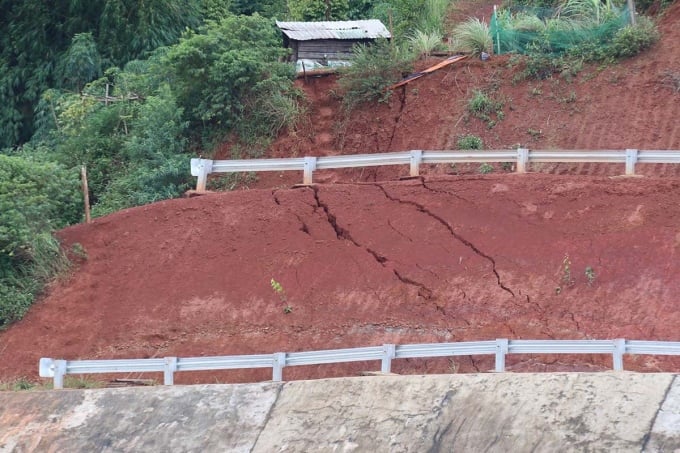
(35, 199)
(633, 39)
(470, 142)
(374, 68)
(473, 35)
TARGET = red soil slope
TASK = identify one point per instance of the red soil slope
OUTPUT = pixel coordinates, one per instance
(629, 105)
(437, 259)
(445, 258)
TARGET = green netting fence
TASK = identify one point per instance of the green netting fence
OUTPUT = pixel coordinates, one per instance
(556, 30)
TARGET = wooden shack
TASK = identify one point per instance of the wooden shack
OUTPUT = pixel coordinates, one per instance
(329, 41)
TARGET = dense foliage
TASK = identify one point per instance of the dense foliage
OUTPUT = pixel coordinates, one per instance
(41, 44)
(222, 73)
(35, 199)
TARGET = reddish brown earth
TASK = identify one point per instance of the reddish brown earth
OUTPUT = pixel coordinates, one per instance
(366, 259)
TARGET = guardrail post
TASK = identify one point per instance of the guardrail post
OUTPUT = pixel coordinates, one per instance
(310, 166)
(169, 368)
(416, 159)
(389, 352)
(501, 350)
(201, 168)
(59, 373)
(619, 350)
(522, 160)
(631, 160)
(279, 361)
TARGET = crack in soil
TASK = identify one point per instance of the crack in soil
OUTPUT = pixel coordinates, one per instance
(431, 189)
(573, 318)
(423, 291)
(512, 331)
(462, 240)
(304, 228)
(397, 119)
(341, 233)
(389, 223)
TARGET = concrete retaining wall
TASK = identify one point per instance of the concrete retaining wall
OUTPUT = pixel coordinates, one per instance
(483, 412)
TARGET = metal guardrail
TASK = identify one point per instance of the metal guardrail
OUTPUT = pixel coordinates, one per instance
(58, 369)
(201, 168)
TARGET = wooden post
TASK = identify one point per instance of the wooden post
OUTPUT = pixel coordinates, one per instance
(86, 194)
(631, 10)
(498, 36)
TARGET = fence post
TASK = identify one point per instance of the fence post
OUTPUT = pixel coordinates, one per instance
(416, 159)
(522, 160)
(631, 160)
(59, 373)
(279, 361)
(169, 368)
(308, 172)
(619, 350)
(501, 350)
(389, 352)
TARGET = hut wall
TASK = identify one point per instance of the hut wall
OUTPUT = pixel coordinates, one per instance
(326, 48)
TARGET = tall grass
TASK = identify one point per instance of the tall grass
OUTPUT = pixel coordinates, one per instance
(432, 16)
(473, 36)
(424, 43)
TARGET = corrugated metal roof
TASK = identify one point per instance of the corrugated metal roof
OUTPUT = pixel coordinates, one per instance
(351, 29)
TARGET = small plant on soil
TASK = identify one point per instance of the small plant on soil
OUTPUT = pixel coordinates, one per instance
(565, 271)
(78, 250)
(470, 141)
(485, 168)
(281, 293)
(590, 275)
(482, 106)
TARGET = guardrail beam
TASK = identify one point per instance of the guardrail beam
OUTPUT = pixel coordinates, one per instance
(58, 369)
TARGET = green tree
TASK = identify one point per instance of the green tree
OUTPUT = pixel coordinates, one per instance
(38, 46)
(267, 8)
(80, 64)
(219, 73)
(315, 10)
